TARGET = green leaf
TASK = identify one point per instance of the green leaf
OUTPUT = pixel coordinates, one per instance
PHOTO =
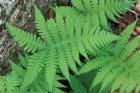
(77, 86)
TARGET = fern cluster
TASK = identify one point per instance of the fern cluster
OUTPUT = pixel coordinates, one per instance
(76, 31)
(119, 67)
(61, 44)
(12, 83)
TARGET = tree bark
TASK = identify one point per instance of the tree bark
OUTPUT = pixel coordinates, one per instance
(20, 14)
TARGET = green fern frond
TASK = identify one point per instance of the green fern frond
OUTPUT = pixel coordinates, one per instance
(11, 82)
(89, 66)
(30, 42)
(125, 35)
(131, 47)
(103, 9)
(78, 4)
(41, 25)
(102, 73)
(51, 66)
(77, 86)
(111, 75)
(40, 86)
(34, 67)
(118, 81)
(2, 85)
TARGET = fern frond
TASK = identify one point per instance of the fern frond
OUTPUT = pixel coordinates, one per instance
(130, 74)
(131, 47)
(110, 77)
(77, 86)
(37, 86)
(30, 42)
(102, 73)
(34, 67)
(118, 81)
(51, 66)
(78, 4)
(128, 86)
(41, 25)
(11, 82)
(63, 64)
(40, 85)
(2, 85)
(123, 40)
(93, 65)
(103, 9)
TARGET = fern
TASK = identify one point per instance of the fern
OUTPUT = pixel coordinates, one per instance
(117, 69)
(74, 32)
(40, 86)
(77, 86)
(31, 43)
(99, 11)
(11, 82)
(63, 40)
(37, 63)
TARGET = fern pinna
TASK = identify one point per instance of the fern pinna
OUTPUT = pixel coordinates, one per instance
(119, 67)
(59, 46)
(99, 11)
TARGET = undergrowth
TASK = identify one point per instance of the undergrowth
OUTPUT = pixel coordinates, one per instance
(54, 56)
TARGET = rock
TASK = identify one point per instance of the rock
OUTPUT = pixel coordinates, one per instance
(20, 14)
